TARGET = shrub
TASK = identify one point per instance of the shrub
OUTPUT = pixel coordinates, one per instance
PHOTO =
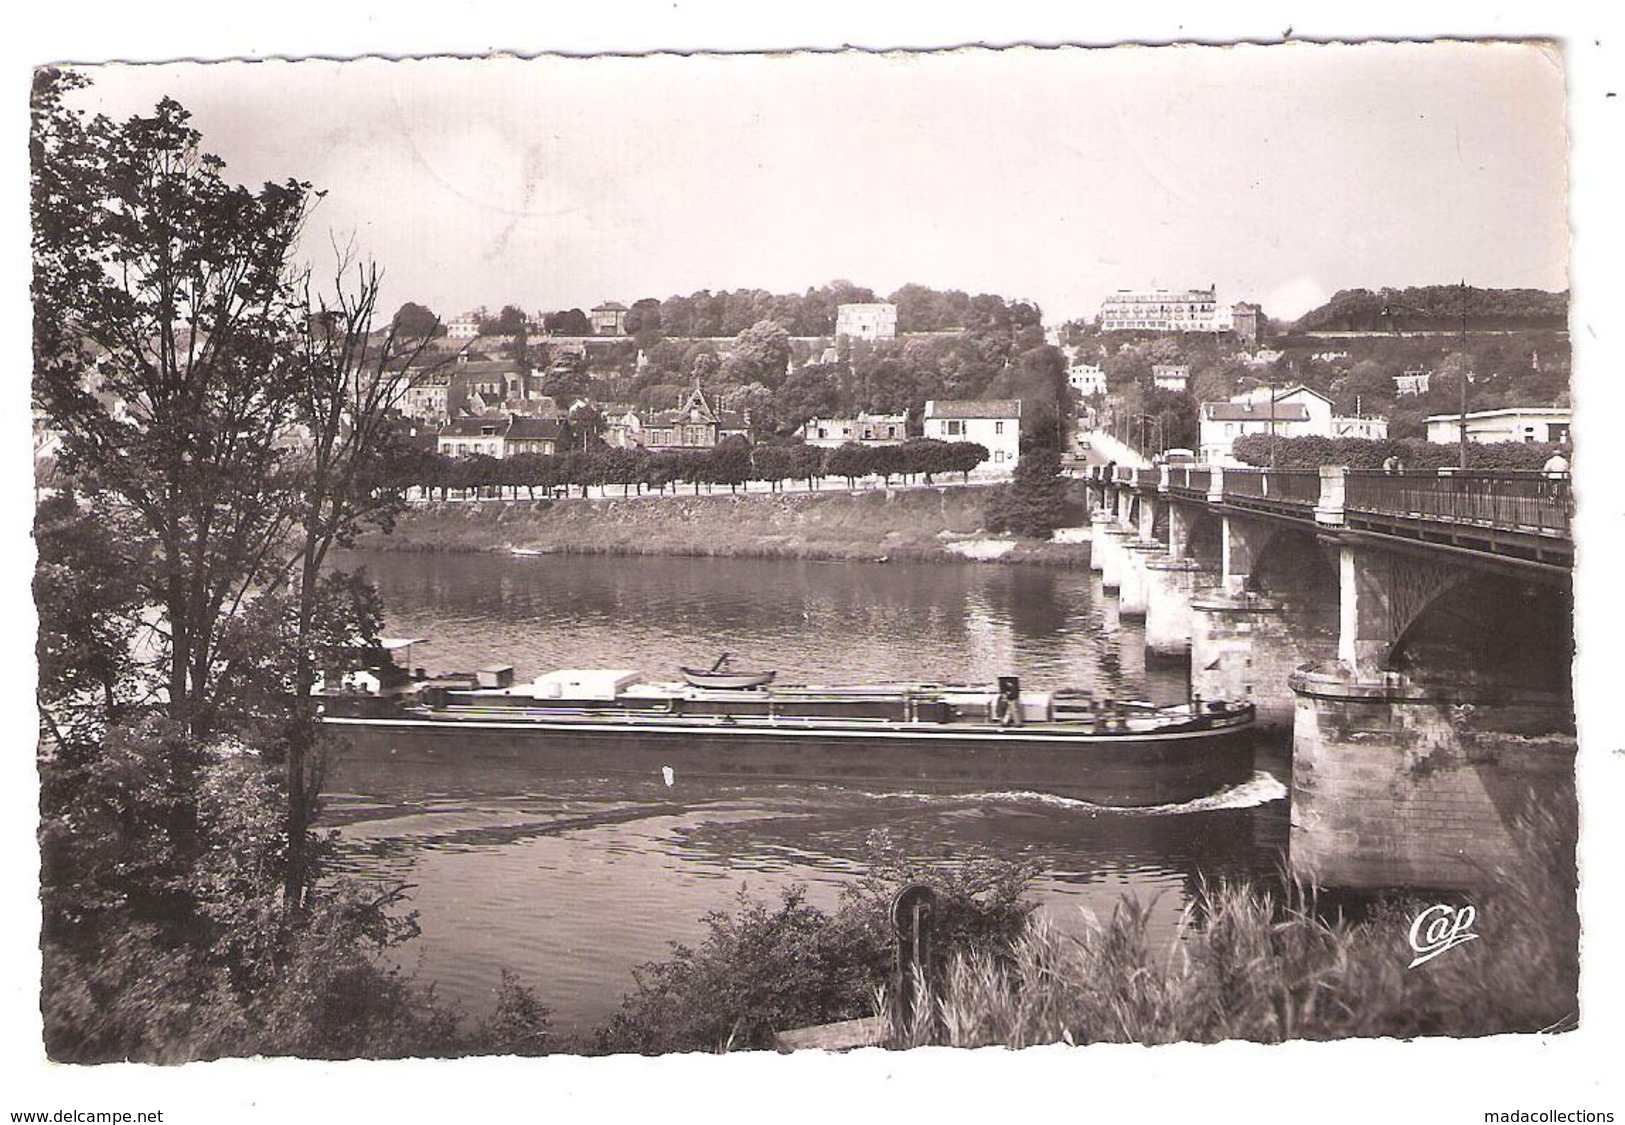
(1034, 502)
(767, 968)
(1368, 453)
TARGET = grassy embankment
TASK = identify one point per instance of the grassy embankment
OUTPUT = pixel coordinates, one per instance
(943, 523)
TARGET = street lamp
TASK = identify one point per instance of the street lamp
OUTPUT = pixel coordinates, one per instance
(1156, 425)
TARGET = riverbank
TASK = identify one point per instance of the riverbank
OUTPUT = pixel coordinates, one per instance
(946, 523)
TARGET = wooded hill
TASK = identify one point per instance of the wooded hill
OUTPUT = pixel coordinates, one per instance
(1436, 308)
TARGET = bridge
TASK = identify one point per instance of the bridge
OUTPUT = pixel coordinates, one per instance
(1413, 631)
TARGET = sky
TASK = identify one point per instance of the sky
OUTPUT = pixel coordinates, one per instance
(1279, 174)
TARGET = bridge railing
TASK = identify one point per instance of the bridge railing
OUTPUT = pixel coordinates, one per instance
(1189, 480)
(1147, 477)
(1296, 486)
(1515, 501)
(1289, 487)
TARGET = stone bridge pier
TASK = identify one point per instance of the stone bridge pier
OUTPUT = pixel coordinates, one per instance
(1258, 622)
(1109, 548)
(1437, 749)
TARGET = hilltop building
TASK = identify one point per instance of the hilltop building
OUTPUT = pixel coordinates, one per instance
(466, 326)
(1247, 322)
(1164, 310)
(609, 319)
(875, 321)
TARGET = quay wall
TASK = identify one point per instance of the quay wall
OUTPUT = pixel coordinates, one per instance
(942, 523)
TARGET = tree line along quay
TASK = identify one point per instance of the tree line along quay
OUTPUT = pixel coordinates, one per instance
(733, 462)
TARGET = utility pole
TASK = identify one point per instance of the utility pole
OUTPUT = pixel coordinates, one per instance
(1269, 392)
(1462, 424)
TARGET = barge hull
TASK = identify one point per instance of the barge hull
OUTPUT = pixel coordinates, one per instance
(1124, 770)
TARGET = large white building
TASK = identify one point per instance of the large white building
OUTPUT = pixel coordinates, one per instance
(1165, 310)
(995, 425)
(464, 327)
(1521, 423)
(499, 435)
(874, 321)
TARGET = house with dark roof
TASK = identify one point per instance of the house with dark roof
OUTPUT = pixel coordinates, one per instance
(994, 424)
(1296, 411)
(693, 425)
(499, 435)
(495, 380)
(432, 396)
(609, 319)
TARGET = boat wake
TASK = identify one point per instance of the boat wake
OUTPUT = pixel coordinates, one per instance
(1262, 788)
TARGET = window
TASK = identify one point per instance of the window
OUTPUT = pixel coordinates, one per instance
(998, 427)
(954, 428)
(998, 455)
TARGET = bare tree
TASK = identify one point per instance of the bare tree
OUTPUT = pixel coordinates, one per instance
(351, 387)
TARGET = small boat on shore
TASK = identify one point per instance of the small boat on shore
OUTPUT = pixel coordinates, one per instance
(930, 736)
(721, 676)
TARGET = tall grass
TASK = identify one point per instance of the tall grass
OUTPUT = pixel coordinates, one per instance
(1257, 963)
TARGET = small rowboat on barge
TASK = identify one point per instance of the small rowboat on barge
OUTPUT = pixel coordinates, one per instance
(722, 676)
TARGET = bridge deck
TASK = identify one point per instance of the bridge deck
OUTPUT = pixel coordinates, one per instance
(1517, 516)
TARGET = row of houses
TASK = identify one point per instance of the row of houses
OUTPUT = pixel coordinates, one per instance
(1301, 412)
(697, 424)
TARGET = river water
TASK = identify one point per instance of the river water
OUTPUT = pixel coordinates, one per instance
(573, 881)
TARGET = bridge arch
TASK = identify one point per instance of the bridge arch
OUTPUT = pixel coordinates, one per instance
(1204, 535)
(1293, 566)
(1484, 628)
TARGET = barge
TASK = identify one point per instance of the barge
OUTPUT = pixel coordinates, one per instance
(927, 736)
